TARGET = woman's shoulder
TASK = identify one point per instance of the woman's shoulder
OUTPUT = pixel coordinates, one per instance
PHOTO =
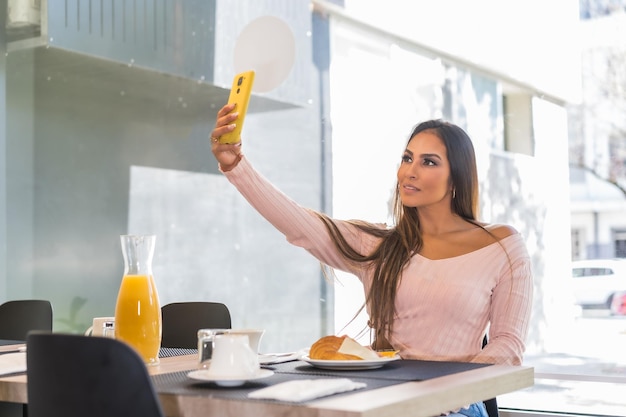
(509, 238)
(500, 231)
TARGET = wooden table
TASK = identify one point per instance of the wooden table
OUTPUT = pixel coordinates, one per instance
(409, 399)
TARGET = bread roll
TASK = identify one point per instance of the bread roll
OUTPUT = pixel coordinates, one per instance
(341, 348)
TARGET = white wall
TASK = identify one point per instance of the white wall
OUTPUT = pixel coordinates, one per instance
(529, 41)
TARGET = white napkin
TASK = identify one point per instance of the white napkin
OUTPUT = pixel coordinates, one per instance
(11, 363)
(275, 358)
(306, 389)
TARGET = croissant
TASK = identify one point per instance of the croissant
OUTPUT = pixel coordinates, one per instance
(342, 348)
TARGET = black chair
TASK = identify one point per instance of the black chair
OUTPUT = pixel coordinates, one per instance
(73, 375)
(18, 317)
(491, 405)
(181, 322)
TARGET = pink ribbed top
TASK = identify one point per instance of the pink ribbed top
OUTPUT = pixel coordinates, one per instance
(443, 306)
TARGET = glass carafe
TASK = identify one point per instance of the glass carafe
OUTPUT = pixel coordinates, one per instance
(137, 311)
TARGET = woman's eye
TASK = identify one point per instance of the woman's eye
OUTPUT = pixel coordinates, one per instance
(407, 158)
(429, 162)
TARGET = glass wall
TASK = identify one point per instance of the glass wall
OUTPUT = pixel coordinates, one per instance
(107, 108)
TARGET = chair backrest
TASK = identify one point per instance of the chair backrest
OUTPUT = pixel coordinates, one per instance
(18, 317)
(181, 322)
(73, 375)
(491, 405)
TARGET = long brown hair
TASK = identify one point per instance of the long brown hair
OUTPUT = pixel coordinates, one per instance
(398, 244)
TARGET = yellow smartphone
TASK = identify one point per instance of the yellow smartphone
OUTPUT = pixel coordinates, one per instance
(240, 95)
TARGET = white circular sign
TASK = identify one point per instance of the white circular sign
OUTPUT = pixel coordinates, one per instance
(267, 46)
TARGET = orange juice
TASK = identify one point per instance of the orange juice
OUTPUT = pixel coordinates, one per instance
(138, 316)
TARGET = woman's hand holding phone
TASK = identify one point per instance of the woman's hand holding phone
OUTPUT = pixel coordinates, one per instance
(227, 155)
(230, 120)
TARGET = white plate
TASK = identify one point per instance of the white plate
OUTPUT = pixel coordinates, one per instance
(349, 365)
(226, 381)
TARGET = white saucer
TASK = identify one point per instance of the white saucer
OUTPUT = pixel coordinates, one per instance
(228, 381)
(349, 365)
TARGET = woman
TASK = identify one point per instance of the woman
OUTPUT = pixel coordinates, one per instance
(437, 281)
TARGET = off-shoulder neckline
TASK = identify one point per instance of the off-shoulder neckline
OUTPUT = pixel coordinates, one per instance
(475, 251)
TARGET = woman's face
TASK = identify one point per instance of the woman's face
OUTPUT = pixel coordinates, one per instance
(424, 175)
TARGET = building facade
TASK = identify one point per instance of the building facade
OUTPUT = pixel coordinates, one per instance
(598, 135)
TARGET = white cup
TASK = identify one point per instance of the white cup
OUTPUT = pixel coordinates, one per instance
(233, 357)
(206, 337)
(102, 327)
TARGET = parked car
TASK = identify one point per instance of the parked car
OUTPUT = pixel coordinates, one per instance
(596, 281)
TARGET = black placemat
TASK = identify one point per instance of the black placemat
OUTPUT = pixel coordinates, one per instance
(391, 373)
(4, 342)
(180, 384)
(166, 352)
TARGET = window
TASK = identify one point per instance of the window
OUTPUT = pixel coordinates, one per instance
(108, 109)
(620, 244)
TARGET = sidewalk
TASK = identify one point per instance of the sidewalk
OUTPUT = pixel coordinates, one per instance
(589, 379)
